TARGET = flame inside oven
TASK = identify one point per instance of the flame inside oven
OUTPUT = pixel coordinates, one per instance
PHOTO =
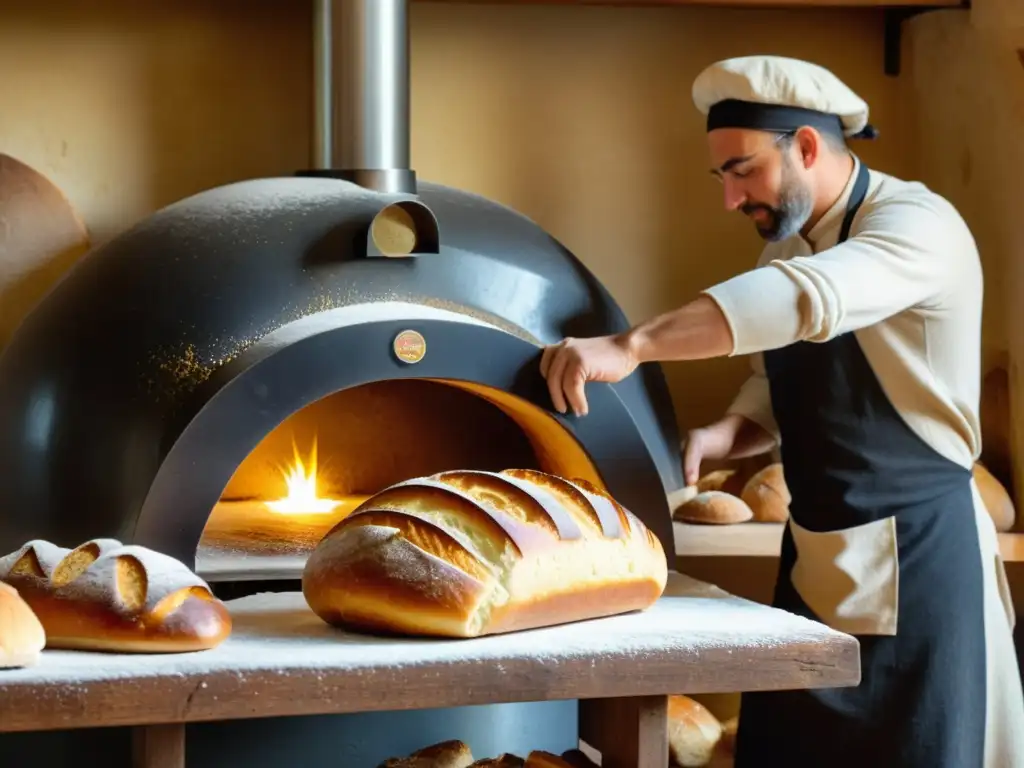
(302, 497)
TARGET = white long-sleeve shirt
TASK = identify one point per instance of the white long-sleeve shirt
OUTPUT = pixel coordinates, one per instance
(907, 281)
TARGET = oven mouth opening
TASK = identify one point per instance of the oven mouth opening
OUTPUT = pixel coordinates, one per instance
(325, 459)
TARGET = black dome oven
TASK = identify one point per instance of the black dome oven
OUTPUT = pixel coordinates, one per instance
(134, 392)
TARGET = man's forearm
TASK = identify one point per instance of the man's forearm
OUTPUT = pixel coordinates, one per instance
(750, 438)
(696, 331)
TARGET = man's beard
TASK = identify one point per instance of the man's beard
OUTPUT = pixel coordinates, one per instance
(794, 209)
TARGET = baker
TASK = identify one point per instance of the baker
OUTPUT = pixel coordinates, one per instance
(863, 322)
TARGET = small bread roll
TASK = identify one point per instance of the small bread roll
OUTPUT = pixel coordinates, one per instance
(501, 761)
(541, 759)
(997, 501)
(726, 480)
(693, 732)
(447, 754)
(714, 508)
(767, 495)
(22, 638)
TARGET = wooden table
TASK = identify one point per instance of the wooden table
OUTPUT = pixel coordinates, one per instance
(282, 660)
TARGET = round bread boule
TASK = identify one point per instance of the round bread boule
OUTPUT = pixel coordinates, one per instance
(767, 495)
(714, 508)
(997, 501)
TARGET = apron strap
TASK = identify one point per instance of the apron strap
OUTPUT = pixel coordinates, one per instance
(860, 191)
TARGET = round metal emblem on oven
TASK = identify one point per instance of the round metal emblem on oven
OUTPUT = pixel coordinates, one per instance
(410, 346)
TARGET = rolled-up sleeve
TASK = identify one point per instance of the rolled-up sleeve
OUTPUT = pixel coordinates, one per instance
(907, 252)
(754, 400)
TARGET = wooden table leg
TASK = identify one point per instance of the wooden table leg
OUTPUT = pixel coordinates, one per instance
(158, 746)
(629, 732)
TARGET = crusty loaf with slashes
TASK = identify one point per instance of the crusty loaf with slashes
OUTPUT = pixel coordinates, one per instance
(469, 553)
(106, 596)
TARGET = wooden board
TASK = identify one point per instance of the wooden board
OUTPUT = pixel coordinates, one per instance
(282, 660)
(764, 540)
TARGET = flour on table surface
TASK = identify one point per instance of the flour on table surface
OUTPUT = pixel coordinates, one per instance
(277, 632)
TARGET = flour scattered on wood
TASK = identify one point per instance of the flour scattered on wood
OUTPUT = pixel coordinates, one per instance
(278, 633)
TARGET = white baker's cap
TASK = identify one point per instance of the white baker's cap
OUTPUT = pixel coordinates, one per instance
(775, 93)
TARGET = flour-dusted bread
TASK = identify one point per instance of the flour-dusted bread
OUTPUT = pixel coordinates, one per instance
(105, 596)
(767, 495)
(693, 732)
(713, 508)
(447, 754)
(467, 553)
(997, 501)
(22, 637)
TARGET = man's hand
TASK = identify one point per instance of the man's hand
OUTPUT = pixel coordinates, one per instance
(571, 363)
(733, 437)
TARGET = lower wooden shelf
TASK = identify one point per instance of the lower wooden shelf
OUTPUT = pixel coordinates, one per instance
(763, 540)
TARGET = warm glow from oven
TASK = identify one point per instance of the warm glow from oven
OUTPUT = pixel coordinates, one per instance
(302, 497)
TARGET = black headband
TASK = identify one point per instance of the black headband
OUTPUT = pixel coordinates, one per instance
(733, 113)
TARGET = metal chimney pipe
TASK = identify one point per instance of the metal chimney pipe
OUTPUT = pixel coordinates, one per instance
(323, 85)
(371, 106)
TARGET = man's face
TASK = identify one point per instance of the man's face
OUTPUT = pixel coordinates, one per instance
(762, 177)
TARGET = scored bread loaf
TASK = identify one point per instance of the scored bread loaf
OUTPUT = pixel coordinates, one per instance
(105, 596)
(22, 637)
(470, 553)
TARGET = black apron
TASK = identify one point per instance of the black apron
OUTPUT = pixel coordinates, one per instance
(850, 459)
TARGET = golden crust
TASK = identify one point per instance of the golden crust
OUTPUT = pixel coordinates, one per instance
(464, 554)
(767, 495)
(108, 597)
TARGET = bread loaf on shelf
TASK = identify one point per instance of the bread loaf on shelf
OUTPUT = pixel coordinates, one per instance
(106, 596)
(997, 501)
(468, 553)
(693, 732)
(767, 495)
(501, 761)
(541, 759)
(22, 638)
(713, 508)
(447, 754)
